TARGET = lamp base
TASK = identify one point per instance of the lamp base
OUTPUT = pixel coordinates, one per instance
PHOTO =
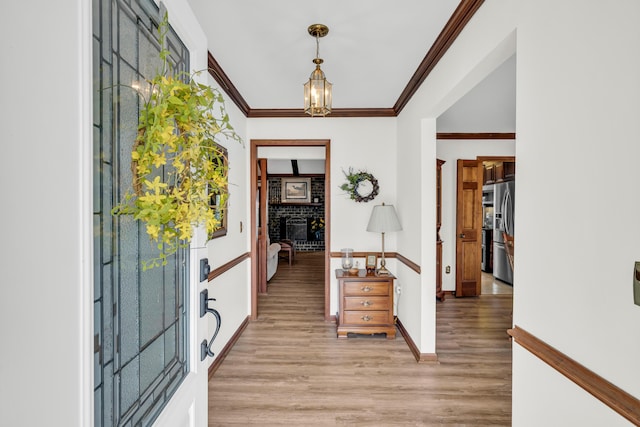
(383, 272)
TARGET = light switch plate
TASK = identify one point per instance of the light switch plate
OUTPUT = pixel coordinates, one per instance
(636, 284)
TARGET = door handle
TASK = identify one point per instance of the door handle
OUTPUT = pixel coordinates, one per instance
(462, 235)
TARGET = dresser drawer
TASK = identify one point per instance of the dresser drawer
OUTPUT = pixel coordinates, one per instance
(366, 302)
(366, 288)
(352, 317)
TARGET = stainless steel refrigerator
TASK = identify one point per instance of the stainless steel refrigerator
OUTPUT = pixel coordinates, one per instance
(503, 209)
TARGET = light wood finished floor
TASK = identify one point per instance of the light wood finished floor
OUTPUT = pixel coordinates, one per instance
(492, 286)
(289, 369)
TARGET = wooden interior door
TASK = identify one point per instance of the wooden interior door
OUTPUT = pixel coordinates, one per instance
(468, 228)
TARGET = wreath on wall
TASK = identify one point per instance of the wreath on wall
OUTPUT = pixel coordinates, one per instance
(361, 185)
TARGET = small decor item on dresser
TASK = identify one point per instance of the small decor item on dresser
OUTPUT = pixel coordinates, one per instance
(347, 258)
(371, 263)
(354, 270)
(361, 186)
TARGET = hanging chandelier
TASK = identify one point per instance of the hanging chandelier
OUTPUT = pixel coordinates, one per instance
(317, 91)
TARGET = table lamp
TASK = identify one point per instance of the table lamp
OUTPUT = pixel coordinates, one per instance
(383, 219)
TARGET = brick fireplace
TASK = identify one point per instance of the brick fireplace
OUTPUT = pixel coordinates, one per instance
(293, 221)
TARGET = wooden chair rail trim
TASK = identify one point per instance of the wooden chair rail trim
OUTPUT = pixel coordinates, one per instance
(406, 261)
(614, 397)
(228, 266)
(227, 348)
(420, 357)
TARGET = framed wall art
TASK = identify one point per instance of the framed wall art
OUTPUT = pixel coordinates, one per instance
(296, 190)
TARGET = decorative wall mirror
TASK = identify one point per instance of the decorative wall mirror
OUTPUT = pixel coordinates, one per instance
(218, 201)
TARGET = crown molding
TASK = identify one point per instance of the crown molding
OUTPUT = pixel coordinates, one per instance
(463, 13)
(218, 74)
(476, 135)
(336, 112)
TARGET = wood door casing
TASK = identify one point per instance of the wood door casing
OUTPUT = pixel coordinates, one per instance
(468, 228)
(253, 155)
(263, 230)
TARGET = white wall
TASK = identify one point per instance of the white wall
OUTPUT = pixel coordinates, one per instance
(545, 398)
(577, 211)
(361, 143)
(451, 151)
(576, 121)
(416, 190)
(45, 318)
(473, 56)
(232, 289)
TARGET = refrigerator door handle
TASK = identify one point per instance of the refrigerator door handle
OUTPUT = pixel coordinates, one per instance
(508, 210)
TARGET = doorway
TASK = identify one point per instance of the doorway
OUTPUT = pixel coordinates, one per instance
(259, 234)
(482, 215)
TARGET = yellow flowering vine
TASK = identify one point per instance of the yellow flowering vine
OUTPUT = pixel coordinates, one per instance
(176, 161)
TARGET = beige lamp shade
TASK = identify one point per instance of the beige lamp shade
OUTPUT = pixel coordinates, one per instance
(384, 219)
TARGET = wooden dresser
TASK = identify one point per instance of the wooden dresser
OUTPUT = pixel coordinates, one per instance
(365, 304)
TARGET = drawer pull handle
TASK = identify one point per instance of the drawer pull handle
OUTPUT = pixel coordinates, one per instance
(366, 303)
(366, 318)
(366, 289)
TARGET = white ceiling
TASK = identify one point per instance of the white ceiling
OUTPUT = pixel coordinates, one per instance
(371, 52)
(305, 166)
(489, 107)
(373, 49)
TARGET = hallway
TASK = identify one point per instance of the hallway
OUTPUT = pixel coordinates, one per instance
(288, 368)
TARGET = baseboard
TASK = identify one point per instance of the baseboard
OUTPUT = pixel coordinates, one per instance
(227, 348)
(420, 357)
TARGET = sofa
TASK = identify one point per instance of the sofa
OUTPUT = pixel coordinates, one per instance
(272, 258)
